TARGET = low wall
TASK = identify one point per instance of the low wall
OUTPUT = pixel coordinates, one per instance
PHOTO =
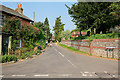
(82, 45)
(98, 47)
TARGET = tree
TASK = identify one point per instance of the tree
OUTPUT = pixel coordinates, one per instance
(46, 29)
(58, 28)
(90, 15)
(65, 34)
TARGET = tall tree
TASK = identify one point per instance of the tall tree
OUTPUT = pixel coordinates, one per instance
(58, 28)
(46, 29)
(90, 15)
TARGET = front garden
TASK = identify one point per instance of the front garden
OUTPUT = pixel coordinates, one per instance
(26, 35)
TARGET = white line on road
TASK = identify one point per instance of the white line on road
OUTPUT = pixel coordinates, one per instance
(65, 75)
(86, 72)
(18, 75)
(83, 74)
(1, 75)
(105, 72)
(61, 54)
(65, 58)
(42, 75)
(71, 63)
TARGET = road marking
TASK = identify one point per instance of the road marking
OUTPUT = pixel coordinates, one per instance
(65, 58)
(65, 75)
(61, 54)
(71, 63)
(1, 75)
(91, 75)
(18, 75)
(42, 75)
(86, 72)
(105, 72)
(83, 74)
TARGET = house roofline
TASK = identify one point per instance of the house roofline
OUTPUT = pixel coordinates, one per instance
(14, 13)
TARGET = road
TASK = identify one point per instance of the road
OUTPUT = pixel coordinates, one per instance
(57, 62)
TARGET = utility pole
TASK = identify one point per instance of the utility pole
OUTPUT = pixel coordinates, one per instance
(34, 17)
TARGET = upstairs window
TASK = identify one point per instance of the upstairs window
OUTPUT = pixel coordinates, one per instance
(1, 20)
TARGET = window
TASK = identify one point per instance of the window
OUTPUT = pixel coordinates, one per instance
(1, 20)
(19, 44)
(21, 25)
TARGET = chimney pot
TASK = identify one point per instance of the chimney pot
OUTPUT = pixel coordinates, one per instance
(17, 5)
(20, 5)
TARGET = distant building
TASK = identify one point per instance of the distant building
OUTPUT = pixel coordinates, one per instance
(53, 37)
(6, 12)
(77, 33)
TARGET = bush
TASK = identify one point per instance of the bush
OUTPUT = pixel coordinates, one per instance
(23, 56)
(37, 51)
(26, 55)
(8, 58)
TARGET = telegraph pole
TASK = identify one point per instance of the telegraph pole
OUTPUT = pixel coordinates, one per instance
(34, 17)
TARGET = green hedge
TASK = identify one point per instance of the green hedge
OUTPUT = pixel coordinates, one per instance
(8, 58)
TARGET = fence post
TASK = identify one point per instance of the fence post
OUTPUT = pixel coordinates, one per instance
(78, 44)
(91, 47)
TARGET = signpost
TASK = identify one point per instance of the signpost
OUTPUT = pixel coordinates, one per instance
(108, 50)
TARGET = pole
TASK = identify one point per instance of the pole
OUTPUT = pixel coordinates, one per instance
(34, 17)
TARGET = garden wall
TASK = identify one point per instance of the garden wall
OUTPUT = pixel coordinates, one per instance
(98, 47)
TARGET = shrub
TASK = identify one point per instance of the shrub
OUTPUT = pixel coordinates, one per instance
(23, 56)
(37, 51)
(26, 55)
(8, 58)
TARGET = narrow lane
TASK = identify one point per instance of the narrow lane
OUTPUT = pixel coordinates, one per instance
(58, 62)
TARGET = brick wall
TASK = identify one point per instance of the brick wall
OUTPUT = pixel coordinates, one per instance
(97, 47)
(82, 45)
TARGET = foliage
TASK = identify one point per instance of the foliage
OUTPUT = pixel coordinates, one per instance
(90, 15)
(27, 33)
(58, 28)
(65, 34)
(8, 58)
(99, 36)
(47, 29)
(26, 55)
(38, 51)
(44, 28)
(104, 36)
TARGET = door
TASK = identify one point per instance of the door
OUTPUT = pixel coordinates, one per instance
(5, 41)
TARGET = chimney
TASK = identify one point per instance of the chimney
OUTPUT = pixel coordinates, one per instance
(19, 9)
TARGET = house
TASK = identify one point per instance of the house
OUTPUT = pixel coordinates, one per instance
(8, 12)
(77, 33)
(53, 37)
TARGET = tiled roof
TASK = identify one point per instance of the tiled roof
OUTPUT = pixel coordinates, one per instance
(13, 12)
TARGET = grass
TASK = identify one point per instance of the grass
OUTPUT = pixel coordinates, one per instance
(73, 49)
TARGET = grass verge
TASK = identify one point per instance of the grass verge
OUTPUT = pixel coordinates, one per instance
(73, 49)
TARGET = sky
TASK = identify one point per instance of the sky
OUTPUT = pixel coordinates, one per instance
(51, 10)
